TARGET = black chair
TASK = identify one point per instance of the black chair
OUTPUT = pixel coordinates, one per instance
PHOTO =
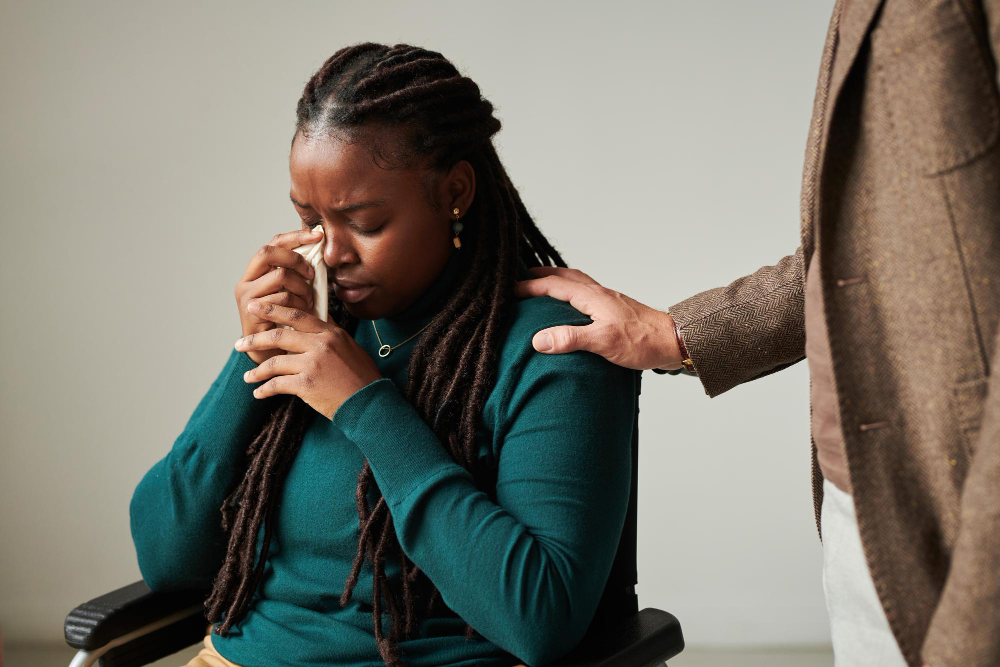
(134, 626)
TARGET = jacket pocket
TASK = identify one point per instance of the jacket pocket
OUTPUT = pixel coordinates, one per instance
(940, 93)
(968, 398)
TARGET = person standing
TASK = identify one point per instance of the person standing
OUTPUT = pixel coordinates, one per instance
(893, 296)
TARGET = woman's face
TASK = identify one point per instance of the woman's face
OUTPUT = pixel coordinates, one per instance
(384, 244)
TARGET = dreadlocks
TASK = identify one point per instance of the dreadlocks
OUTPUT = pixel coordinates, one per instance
(439, 116)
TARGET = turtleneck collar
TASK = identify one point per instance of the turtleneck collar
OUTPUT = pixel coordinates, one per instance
(400, 326)
(394, 329)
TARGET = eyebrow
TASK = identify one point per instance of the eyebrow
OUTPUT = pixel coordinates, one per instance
(350, 207)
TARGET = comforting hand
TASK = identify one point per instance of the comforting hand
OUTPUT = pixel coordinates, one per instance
(321, 363)
(624, 331)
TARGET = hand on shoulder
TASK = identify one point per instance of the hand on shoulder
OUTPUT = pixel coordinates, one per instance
(623, 331)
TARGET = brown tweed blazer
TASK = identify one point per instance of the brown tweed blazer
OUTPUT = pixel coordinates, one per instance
(901, 196)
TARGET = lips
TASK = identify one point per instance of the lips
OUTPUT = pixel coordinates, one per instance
(351, 292)
(347, 284)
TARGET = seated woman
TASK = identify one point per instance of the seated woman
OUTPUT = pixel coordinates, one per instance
(407, 482)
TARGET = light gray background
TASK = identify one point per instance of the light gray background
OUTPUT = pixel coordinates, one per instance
(144, 147)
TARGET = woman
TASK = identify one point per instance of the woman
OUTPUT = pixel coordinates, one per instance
(493, 480)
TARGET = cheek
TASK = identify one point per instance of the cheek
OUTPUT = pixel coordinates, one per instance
(403, 261)
(404, 249)
(382, 256)
(391, 264)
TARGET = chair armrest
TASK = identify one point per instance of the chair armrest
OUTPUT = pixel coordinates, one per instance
(93, 624)
(175, 620)
(134, 625)
(645, 639)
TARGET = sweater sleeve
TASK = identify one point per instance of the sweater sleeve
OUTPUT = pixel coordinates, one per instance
(175, 510)
(526, 571)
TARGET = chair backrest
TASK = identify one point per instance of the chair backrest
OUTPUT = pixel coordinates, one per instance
(619, 599)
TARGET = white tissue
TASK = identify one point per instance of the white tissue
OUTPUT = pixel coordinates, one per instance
(314, 255)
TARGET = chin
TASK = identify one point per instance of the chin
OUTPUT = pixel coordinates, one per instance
(362, 311)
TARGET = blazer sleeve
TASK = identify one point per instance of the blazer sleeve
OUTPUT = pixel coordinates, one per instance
(750, 328)
(527, 569)
(175, 509)
(963, 630)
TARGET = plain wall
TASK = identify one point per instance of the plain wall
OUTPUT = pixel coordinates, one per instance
(144, 149)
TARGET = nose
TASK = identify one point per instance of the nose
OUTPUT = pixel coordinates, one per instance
(337, 249)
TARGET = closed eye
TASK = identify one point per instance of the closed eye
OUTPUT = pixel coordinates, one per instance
(371, 231)
(308, 224)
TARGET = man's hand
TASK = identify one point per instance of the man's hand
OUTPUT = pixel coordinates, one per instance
(624, 331)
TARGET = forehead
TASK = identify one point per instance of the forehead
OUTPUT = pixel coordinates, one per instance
(330, 170)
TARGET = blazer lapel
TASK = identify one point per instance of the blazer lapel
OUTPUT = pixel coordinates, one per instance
(853, 30)
(807, 198)
(843, 42)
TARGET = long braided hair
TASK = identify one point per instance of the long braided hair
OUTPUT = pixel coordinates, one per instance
(437, 115)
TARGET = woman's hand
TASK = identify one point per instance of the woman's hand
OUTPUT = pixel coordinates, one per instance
(326, 365)
(276, 274)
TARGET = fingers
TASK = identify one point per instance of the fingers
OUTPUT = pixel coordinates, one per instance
(298, 237)
(283, 384)
(289, 300)
(279, 253)
(573, 274)
(280, 371)
(278, 338)
(299, 320)
(282, 278)
(582, 296)
(567, 338)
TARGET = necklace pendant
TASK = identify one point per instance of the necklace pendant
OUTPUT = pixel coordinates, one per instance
(384, 351)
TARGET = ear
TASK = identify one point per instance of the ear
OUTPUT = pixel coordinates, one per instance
(458, 188)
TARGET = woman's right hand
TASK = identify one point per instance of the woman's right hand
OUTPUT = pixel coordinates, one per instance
(276, 274)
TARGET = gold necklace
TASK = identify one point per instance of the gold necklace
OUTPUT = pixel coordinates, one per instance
(384, 350)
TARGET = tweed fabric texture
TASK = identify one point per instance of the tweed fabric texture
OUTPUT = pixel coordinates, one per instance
(901, 198)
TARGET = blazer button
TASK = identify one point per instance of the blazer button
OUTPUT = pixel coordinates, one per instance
(844, 282)
(872, 426)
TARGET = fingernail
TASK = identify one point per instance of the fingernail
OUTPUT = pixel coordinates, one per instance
(238, 344)
(544, 342)
(254, 305)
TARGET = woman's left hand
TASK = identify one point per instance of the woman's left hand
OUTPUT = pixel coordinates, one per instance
(326, 365)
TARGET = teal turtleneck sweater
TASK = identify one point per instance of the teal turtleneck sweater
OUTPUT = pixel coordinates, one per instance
(524, 562)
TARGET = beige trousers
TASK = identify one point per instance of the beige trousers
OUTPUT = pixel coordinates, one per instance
(208, 656)
(858, 628)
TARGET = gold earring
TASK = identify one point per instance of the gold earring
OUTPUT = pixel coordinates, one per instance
(457, 227)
